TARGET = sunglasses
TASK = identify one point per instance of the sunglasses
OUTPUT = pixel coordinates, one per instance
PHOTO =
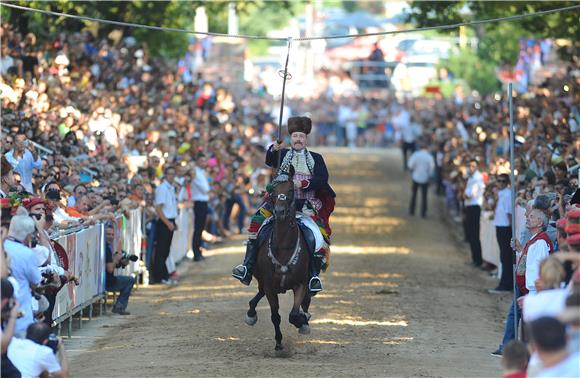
(502, 181)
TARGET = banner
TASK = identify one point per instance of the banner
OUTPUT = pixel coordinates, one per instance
(181, 242)
(66, 295)
(89, 264)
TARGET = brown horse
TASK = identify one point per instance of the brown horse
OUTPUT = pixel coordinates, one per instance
(282, 262)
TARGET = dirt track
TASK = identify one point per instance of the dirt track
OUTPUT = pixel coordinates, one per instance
(399, 301)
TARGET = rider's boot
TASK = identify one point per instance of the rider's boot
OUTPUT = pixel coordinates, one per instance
(243, 272)
(315, 285)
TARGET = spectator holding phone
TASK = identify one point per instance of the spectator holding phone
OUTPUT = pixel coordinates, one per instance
(24, 158)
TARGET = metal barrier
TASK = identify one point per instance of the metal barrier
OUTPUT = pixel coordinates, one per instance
(85, 252)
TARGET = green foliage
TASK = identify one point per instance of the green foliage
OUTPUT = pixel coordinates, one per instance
(479, 74)
(498, 42)
(261, 17)
(256, 17)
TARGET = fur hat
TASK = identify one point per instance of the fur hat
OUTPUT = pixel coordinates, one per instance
(21, 225)
(299, 124)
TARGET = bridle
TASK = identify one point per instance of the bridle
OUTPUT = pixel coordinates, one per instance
(289, 199)
(281, 212)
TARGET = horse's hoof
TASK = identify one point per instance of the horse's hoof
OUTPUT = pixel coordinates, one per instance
(279, 348)
(251, 320)
(304, 330)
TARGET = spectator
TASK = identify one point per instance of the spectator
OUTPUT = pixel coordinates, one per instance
(408, 134)
(550, 297)
(24, 158)
(54, 200)
(571, 317)
(473, 201)
(515, 360)
(548, 339)
(502, 221)
(166, 208)
(34, 358)
(82, 211)
(78, 191)
(527, 268)
(123, 284)
(7, 178)
(200, 195)
(10, 311)
(422, 166)
(23, 265)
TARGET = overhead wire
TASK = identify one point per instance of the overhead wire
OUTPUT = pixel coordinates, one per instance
(298, 39)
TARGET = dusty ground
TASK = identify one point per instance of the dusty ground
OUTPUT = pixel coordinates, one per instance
(399, 301)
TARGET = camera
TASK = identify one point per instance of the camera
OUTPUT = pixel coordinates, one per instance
(53, 342)
(128, 256)
(47, 278)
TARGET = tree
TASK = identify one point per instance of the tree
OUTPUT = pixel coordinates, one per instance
(499, 41)
(176, 14)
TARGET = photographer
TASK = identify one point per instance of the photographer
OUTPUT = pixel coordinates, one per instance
(23, 264)
(39, 354)
(10, 310)
(123, 284)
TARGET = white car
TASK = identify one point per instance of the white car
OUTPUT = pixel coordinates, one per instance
(414, 73)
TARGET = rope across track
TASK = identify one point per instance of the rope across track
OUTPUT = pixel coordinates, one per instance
(256, 37)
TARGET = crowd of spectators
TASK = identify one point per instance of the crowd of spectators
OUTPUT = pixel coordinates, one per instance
(469, 141)
(88, 134)
(91, 127)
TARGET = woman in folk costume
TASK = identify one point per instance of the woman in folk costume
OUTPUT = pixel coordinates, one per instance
(314, 197)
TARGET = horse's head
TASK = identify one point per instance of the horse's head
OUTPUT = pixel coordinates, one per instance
(283, 194)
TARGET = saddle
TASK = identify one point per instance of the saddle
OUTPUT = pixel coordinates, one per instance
(307, 234)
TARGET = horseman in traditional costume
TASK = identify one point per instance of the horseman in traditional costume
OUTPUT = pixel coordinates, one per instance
(314, 198)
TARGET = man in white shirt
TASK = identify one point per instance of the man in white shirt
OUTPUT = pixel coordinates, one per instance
(166, 209)
(408, 133)
(33, 358)
(473, 196)
(23, 265)
(422, 166)
(200, 196)
(548, 340)
(502, 220)
(347, 117)
(528, 262)
(24, 159)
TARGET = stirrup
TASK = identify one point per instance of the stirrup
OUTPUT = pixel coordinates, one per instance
(315, 285)
(241, 273)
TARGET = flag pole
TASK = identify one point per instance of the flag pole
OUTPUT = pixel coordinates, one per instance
(513, 203)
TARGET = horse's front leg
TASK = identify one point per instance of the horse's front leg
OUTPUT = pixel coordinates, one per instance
(251, 315)
(297, 317)
(275, 316)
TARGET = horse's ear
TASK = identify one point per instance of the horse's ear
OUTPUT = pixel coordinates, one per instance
(291, 171)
